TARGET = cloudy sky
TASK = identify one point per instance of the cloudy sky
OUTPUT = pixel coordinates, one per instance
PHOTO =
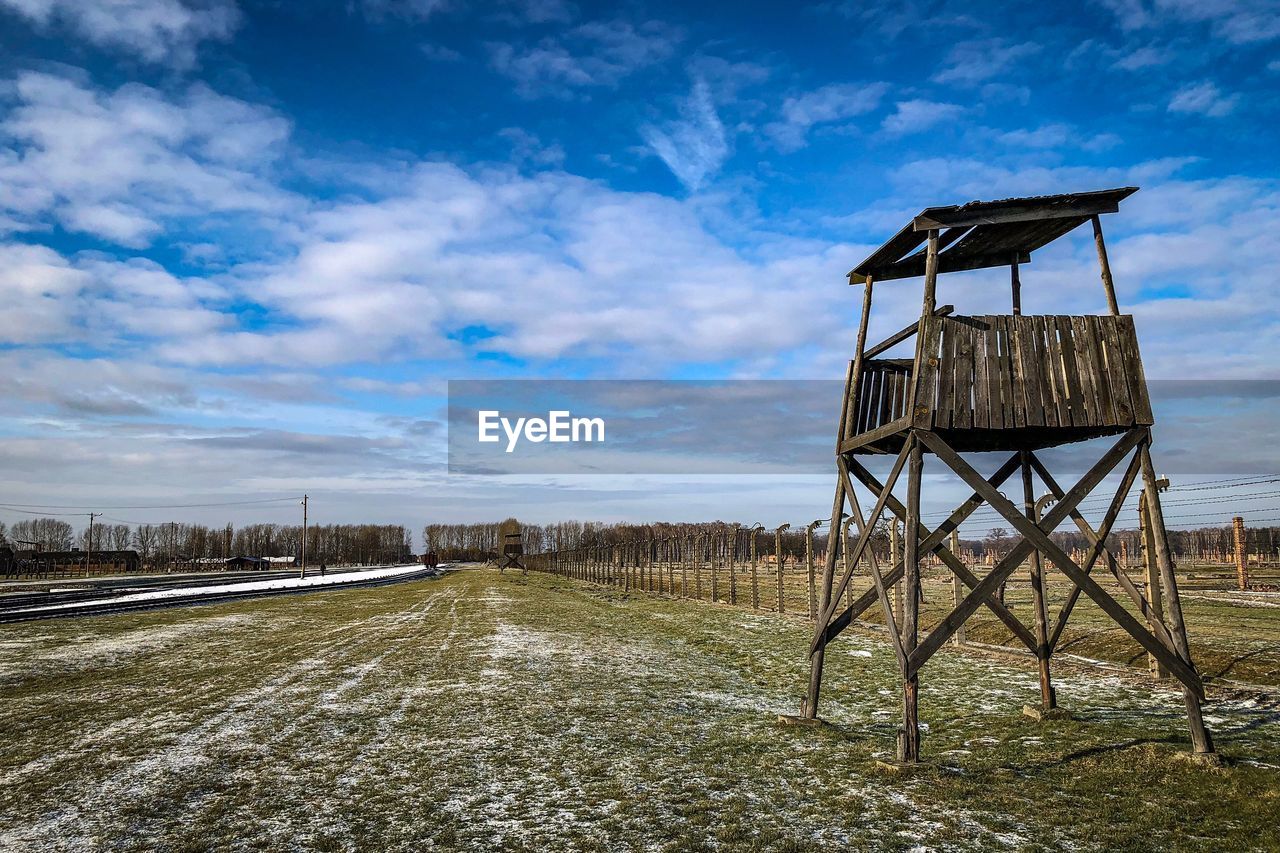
(244, 244)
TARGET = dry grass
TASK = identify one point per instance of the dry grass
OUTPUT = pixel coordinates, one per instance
(481, 710)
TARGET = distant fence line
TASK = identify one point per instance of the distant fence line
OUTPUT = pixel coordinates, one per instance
(724, 566)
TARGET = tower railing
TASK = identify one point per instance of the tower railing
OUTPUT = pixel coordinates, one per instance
(1009, 372)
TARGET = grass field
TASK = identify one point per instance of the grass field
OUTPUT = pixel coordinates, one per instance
(481, 711)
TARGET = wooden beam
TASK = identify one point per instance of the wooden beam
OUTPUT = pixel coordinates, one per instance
(928, 544)
(1099, 538)
(1000, 573)
(1035, 535)
(874, 566)
(900, 336)
(1017, 210)
(913, 266)
(909, 740)
(1048, 699)
(948, 555)
(1015, 284)
(1201, 742)
(865, 538)
(863, 439)
(860, 344)
(817, 651)
(1108, 283)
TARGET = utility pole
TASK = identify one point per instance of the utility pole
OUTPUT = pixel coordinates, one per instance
(88, 557)
(304, 538)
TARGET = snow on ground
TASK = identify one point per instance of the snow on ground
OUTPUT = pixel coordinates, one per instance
(479, 711)
(333, 579)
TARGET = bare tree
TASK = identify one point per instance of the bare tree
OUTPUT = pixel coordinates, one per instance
(144, 539)
(52, 534)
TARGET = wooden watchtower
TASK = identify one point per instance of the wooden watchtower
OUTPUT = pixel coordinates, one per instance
(512, 551)
(1012, 384)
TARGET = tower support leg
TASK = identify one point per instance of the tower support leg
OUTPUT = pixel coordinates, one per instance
(810, 709)
(1201, 741)
(1048, 697)
(909, 736)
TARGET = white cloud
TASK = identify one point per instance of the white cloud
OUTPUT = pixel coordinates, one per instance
(727, 77)
(1233, 21)
(916, 115)
(595, 54)
(693, 146)
(527, 148)
(37, 284)
(94, 299)
(835, 102)
(543, 11)
(1144, 57)
(1203, 99)
(1048, 136)
(156, 31)
(973, 62)
(410, 9)
(119, 164)
(555, 265)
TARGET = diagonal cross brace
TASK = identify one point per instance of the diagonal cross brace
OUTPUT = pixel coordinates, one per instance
(894, 633)
(1003, 569)
(1099, 539)
(1035, 536)
(958, 568)
(865, 538)
(930, 543)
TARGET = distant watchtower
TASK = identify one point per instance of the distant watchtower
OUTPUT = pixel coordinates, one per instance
(1012, 384)
(512, 551)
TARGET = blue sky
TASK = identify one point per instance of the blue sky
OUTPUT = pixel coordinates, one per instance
(244, 244)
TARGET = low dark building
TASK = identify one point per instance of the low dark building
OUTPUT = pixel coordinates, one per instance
(243, 563)
(97, 561)
(26, 562)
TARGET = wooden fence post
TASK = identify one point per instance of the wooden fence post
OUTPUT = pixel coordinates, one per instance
(777, 548)
(1242, 553)
(755, 574)
(733, 567)
(715, 575)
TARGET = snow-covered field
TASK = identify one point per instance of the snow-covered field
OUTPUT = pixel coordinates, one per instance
(312, 581)
(479, 711)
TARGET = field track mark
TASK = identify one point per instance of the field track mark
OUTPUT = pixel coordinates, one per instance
(272, 706)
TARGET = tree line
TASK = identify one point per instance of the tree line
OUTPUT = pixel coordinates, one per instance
(174, 542)
(1204, 544)
(483, 540)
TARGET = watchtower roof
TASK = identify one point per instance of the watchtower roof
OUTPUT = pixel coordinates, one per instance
(983, 234)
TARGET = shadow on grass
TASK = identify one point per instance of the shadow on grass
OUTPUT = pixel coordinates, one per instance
(1104, 749)
(1238, 659)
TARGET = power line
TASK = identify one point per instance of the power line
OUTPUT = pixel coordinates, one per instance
(17, 507)
(988, 514)
(44, 514)
(1096, 502)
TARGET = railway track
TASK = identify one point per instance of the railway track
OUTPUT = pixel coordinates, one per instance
(24, 613)
(96, 589)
